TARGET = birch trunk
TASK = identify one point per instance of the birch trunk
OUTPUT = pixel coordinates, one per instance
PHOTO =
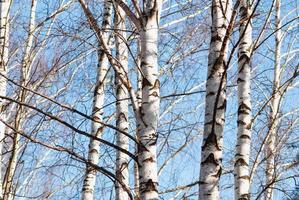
(25, 74)
(139, 99)
(4, 42)
(97, 112)
(122, 95)
(273, 122)
(149, 111)
(241, 167)
(211, 152)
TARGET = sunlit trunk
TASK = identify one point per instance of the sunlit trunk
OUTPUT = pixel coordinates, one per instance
(25, 74)
(149, 112)
(122, 95)
(211, 154)
(273, 122)
(244, 104)
(139, 99)
(97, 111)
(4, 42)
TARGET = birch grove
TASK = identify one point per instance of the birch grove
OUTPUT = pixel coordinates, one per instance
(149, 99)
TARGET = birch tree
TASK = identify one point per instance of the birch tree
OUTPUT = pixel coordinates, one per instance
(244, 101)
(97, 111)
(25, 74)
(4, 42)
(122, 112)
(55, 121)
(147, 125)
(211, 151)
(274, 109)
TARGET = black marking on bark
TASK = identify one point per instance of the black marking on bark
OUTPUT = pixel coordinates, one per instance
(244, 197)
(211, 140)
(122, 116)
(149, 186)
(215, 38)
(245, 137)
(155, 94)
(243, 108)
(141, 148)
(143, 63)
(240, 80)
(157, 84)
(150, 159)
(210, 159)
(240, 122)
(244, 177)
(218, 174)
(223, 106)
(241, 162)
(210, 94)
(146, 82)
(244, 57)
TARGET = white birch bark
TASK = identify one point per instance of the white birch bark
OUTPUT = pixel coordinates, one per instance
(241, 167)
(4, 42)
(139, 99)
(149, 111)
(273, 122)
(25, 74)
(97, 111)
(122, 95)
(211, 154)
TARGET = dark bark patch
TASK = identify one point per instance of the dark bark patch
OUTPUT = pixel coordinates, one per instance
(244, 197)
(244, 109)
(211, 140)
(155, 94)
(149, 186)
(241, 162)
(146, 83)
(218, 174)
(223, 106)
(210, 93)
(240, 122)
(215, 38)
(245, 137)
(151, 159)
(244, 177)
(244, 57)
(210, 159)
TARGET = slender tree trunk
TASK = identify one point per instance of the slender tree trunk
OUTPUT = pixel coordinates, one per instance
(149, 111)
(4, 42)
(244, 101)
(25, 74)
(211, 152)
(139, 99)
(273, 122)
(122, 95)
(97, 111)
